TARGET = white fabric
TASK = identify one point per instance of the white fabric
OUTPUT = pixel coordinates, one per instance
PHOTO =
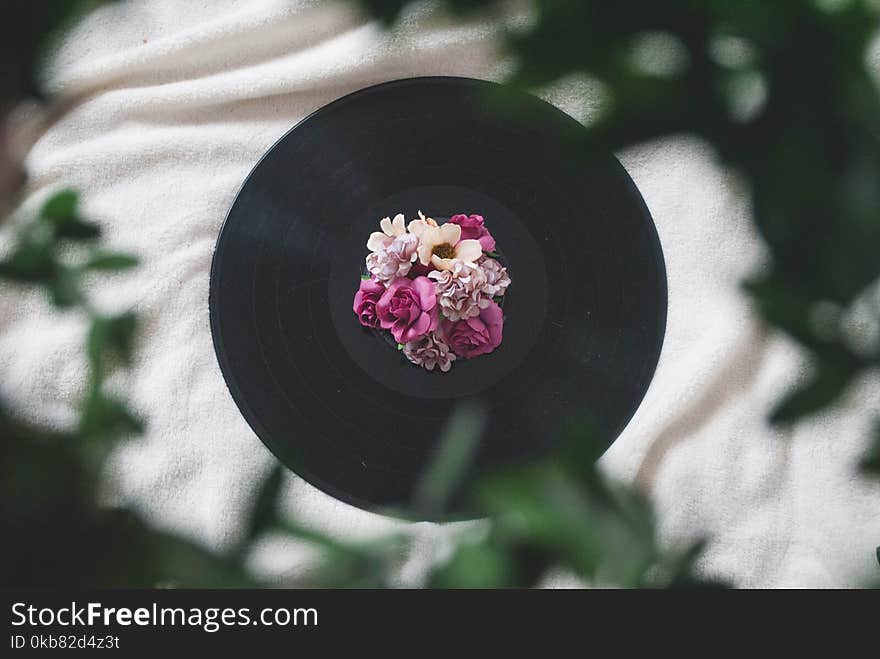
(173, 104)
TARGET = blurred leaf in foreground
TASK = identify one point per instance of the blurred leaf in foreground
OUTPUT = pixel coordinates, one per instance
(560, 513)
(452, 459)
(50, 479)
(871, 462)
(110, 261)
(264, 515)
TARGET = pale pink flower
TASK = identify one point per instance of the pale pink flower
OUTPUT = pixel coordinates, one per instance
(429, 351)
(460, 290)
(497, 279)
(394, 261)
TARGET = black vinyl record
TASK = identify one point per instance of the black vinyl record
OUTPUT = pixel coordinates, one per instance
(584, 316)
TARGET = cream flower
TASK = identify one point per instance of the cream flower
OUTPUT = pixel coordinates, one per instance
(380, 240)
(418, 226)
(440, 246)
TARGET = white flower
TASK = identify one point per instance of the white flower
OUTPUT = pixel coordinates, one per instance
(440, 246)
(380, 240)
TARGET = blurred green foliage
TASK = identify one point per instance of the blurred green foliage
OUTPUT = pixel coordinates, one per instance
(27, 32)
(871, 463)
(558, 514)
(57, 532)
(808, 147)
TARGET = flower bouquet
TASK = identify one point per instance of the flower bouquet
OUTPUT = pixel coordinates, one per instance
(435, 288)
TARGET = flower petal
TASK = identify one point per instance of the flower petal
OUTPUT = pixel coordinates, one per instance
(420, 327)
(424, 252)
(398, 226)
(430, 221)
(493, 317)
(442, 264)
(424, 287)
(398, 330)
(417, 227)
(477, 325)
(385, 225)
(468, 250)
(449, 233)
(431, 235)
(377, 241)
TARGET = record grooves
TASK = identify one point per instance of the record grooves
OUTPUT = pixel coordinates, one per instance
(583, 324)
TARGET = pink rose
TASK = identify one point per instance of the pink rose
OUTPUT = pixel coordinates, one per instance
(365, 302)
(475, 336)
(408, 308)
(472, 229)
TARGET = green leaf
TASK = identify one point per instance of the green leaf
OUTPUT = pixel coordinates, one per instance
(111, 337)
(64, 289)
(385, 10)
(30, 31)
(680, 571)
(110, 261)
(345, 564)
(106, 418)
(871, 462)
(265, 512)
(61, 212)
(818, 392)
(493, 254)
(60, 206)
(74, 228)
(476, 565)
(451, 459)
(31, 261)
(400, 346)
(174, 561)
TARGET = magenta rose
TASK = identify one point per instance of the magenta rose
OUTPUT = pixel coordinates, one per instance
(408, 308)
(476, 336)
(365, 301)
(472, 228)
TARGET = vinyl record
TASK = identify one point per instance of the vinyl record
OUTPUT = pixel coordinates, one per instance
(584, 316)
